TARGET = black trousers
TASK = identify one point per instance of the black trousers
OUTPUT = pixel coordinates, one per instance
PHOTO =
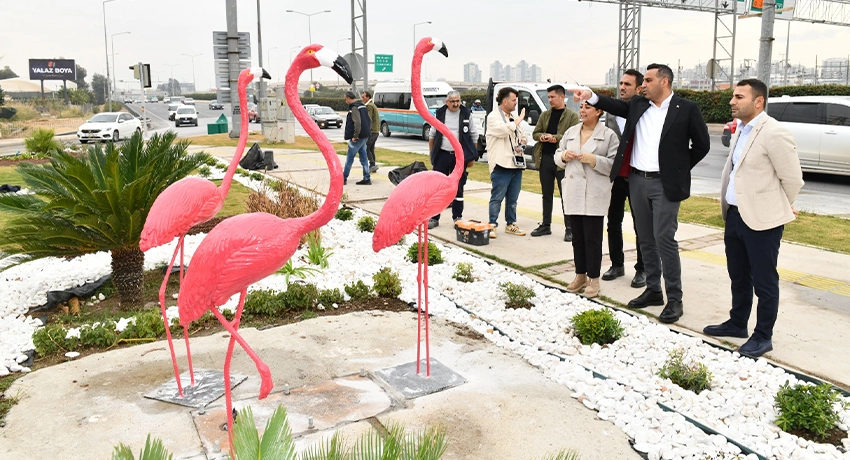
(370, 148)
(587, 244)
(751, 258)
(549, 176)
(445, 163)
(616, 212)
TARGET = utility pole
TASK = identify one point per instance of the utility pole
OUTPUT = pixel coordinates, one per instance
(261, 85)
(233, 67)
(193, 56)
(768, 12)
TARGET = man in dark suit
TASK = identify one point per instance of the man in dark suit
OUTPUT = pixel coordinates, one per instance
(663, 138)
(630, 84)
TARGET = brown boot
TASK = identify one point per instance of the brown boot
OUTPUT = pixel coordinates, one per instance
(592, 289)
(578, 283)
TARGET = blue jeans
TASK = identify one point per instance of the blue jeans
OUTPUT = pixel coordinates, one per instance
(506, 186)
(359, 148)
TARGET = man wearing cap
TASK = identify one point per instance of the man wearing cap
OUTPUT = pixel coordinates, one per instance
(477, 107)
(357, 129)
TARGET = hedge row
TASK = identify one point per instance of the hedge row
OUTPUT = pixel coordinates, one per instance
(714, 105)
(200, 96)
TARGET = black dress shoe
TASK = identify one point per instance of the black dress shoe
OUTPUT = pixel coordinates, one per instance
(613, 273)
(433, 223)
(568, 235)
(756, 347)
(364, 182)
(639, 280)
(672, 312)
(647, 298)
(726, 330)
(541, 230)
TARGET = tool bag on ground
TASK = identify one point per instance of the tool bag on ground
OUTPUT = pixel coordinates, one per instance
(399, 174)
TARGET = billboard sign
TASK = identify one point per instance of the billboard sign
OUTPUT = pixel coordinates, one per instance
(53, 69)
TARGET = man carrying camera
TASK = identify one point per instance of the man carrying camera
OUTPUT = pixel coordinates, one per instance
(506, 140)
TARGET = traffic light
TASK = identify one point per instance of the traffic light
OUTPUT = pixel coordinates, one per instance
(146, 71)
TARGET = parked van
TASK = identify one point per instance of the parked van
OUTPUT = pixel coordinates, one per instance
(821, 128)
(396, 109)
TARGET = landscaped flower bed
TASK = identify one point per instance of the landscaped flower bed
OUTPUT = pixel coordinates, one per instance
(739, 405)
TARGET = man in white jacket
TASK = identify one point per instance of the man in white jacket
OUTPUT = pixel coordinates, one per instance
(506, 141)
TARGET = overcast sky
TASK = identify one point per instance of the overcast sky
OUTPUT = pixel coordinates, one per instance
(570, 40)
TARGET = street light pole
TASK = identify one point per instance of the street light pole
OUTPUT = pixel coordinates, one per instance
(112, 39)
(309, 29)
(106, 52)
(193, 68)
(414, 30)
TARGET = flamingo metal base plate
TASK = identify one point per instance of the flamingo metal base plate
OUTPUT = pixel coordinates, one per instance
(404, 379)
(209, 386)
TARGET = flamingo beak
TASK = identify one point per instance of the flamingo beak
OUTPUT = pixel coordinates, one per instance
(444, 51)
(266, 75)
(341, 67)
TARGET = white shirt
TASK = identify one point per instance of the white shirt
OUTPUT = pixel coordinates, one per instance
(731, 198)
(452, 122)
(647, 135)
(621, 122)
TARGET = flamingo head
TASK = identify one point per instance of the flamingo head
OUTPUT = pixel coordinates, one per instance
(317, 55)
(260, 72)
(429, 44)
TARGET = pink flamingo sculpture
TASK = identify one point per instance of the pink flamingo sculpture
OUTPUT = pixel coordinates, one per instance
(188, 202)
(249, 247)
(419, 197)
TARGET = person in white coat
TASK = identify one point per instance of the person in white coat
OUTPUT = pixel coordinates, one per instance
(586, 153)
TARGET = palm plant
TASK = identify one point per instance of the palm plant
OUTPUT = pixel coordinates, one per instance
(97, 202)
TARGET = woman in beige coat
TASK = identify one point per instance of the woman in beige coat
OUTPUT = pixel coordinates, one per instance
(586, 153)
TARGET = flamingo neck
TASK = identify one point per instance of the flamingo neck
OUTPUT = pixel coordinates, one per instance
(419, 102)
(244, 79)
(328, 209)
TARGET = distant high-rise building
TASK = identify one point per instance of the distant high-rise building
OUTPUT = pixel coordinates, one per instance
(471, 73)
(535, 73)
(509, 73)
(522, 73)
(497, 71)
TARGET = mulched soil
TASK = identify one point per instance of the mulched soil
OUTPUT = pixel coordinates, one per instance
(833, 436)
(17, 162)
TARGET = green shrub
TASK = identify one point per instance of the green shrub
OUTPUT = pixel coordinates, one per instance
(518, 295)
(264, 302)
(596, 326)
(463, 273)
(101, 335)
(209, 160)
(243, 172)
(256, 176)
(690, 376)
(316, 253)
(328, 297)
(290, 269)
(42, 142)
(300, 296)
(148, 325)
(358, 291)
(809, 407)
(204, 171)
(386, 283)
(51, 339)
(344, 214)
(366, 224)
(435, 256)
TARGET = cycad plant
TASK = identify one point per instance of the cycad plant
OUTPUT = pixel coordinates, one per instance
(97, 202)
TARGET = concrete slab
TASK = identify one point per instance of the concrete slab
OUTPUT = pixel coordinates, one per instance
(327, 405)
(209, 386)
(405, 380)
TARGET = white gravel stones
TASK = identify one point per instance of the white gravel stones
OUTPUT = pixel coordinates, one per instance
(739, 405)
(72, 354)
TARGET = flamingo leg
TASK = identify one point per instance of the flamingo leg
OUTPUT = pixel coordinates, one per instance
(262, 368)
(185, 328)
(228, 398)
(425, 288)
(165, 318)
(419, 236)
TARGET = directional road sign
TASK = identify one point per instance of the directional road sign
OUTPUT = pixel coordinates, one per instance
(383, 63)
(220, 38)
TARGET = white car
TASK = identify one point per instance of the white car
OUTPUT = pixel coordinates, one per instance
(186, 115)
(821, 128)
(188, 101)
(108, 126)
(172, 110)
